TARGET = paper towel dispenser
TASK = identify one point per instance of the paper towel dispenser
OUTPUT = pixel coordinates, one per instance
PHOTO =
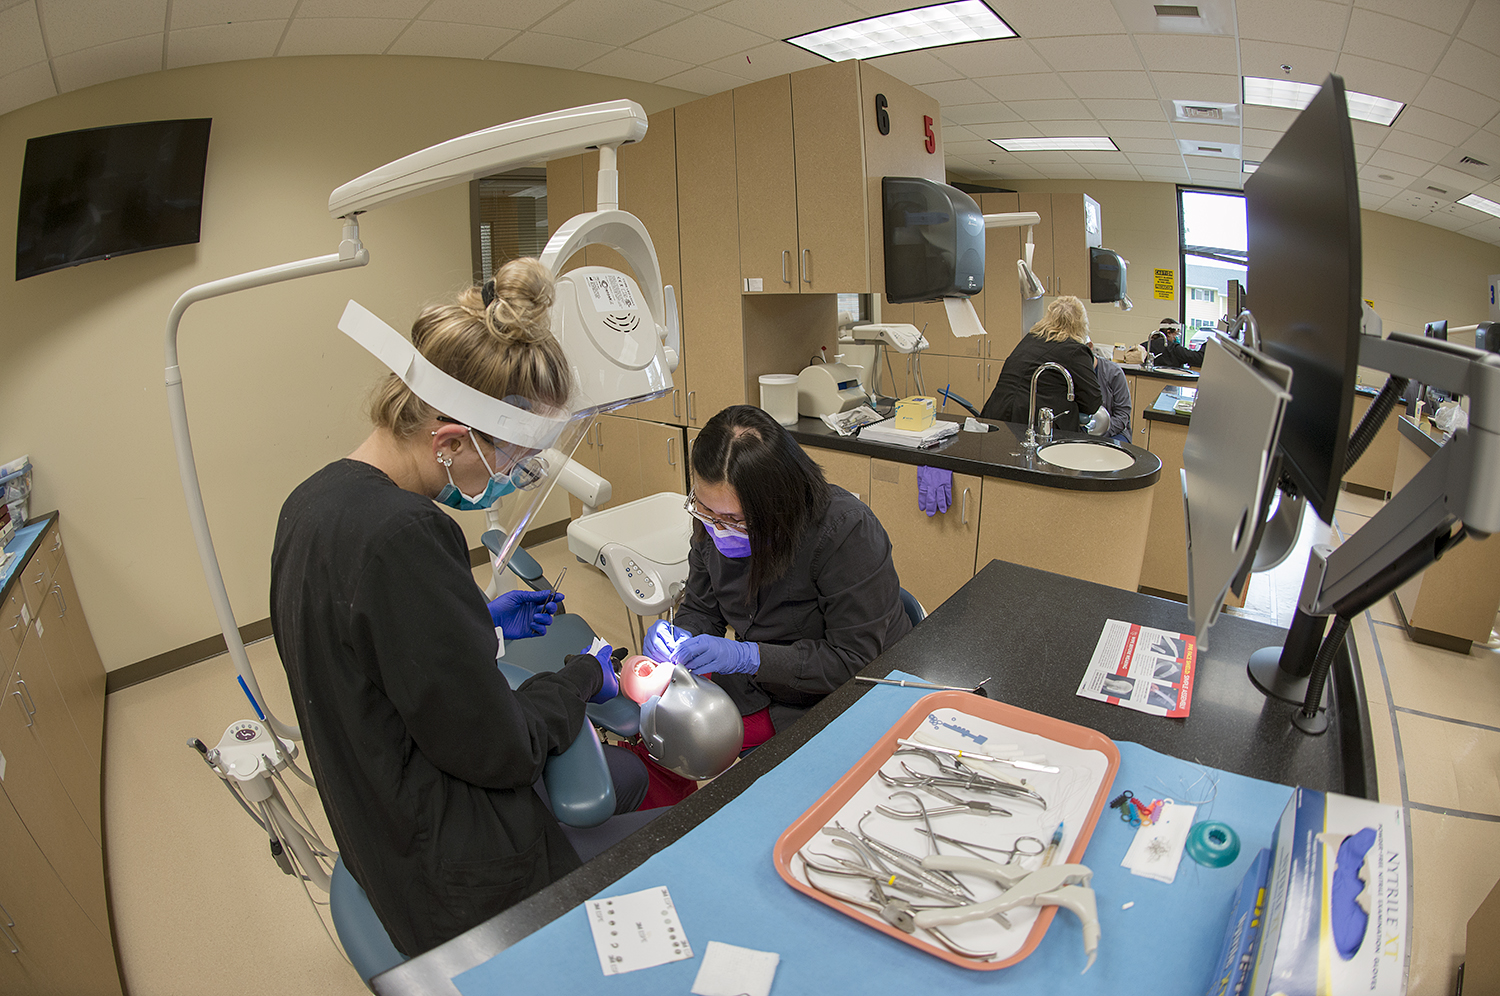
(934, 240)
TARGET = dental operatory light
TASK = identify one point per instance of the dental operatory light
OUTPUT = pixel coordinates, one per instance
(906, 31)
(1295, 96)
(1249, 165)
(1480, 204)
(1082, 144)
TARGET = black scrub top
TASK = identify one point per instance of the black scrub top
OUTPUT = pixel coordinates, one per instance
(423, 755)
(1010, 399)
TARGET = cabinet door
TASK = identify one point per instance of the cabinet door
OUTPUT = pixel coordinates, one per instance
(1164, 568)
(1002, 285)
(966, 379)
(12, 630)
(53, 724)
(47, 945)
(767, 198)
(32, 583)
(1070, 251)
(832, 229)
(620, 457)
(34, 788)
(663, 460)
(1143, 392)
(80, 673)
(850, 471)
(934, 555)
(648, 190)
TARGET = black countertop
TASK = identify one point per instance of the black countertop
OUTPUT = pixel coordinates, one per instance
(991, 454)
(1032, 633)
(1428, 441)
(1160, 373)
(1164, 408)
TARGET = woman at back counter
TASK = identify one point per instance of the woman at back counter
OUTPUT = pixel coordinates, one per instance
(1060, 337)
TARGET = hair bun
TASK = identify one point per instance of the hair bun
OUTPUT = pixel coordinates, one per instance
(522, 304)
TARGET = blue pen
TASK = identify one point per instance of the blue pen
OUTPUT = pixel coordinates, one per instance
(945, 395)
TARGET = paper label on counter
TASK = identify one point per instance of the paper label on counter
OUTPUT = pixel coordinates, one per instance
(611, 292)
(637, 930)
(1148, 670)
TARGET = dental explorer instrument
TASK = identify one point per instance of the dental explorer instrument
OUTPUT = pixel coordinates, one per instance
(977, 689)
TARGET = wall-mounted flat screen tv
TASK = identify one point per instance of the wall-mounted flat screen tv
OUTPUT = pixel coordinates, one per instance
(102, 192)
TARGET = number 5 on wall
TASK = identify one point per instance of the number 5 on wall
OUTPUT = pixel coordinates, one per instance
(927, 130)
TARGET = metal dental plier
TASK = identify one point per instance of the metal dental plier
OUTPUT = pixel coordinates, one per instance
(1053, 885)
(956, 805)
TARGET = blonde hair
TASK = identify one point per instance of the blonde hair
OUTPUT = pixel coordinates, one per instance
(1065, 318)
(505, 349)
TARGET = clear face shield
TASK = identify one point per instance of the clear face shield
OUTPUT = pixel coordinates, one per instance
(524, 444)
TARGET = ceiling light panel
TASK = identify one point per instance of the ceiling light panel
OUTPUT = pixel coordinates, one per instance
(906, 31)
(1099, 144)
(1295, 96)
(1207, 111)
(1248, 165)
(1219, 150)
(1481, 204)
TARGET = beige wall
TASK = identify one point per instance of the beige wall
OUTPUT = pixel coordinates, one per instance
(274, 390)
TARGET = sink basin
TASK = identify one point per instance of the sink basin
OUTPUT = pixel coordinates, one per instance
(1086, 455)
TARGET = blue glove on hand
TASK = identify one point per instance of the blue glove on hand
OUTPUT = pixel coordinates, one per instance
(522, 613)
(611, 680)
(934, 489)
(662, 641)
(717, 655)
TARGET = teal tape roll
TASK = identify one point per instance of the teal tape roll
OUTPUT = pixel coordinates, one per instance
(1213, 844)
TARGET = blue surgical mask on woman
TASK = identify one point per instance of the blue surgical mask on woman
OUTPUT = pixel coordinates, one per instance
(498, 486)
(731, 542)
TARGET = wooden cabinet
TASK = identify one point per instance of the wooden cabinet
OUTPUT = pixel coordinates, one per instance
(1164, 571)
(637, 457)
(766, 163)
(850, 471)
(1374, 473)
(663, 458)
(934, 555)
(1070, 224)
(1143, 394)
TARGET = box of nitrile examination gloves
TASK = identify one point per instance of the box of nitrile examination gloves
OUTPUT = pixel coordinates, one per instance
(1336, 917)
(1246, 912)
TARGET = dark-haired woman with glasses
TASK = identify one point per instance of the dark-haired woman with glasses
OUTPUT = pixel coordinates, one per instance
(799, 568)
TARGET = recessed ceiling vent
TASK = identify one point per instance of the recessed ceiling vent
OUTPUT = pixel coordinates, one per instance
(1176, 10)
(1203, 113)
(1471, 161)
(1438, 190)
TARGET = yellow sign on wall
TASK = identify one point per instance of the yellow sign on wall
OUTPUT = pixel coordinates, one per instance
(1166, 281)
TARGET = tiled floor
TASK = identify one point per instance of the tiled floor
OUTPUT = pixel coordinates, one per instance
(200, 907)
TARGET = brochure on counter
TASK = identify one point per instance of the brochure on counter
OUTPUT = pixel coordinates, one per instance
(1141, 668)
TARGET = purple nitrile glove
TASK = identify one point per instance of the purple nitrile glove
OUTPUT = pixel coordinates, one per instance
(611, 680)
(934, 489)
(717, 655)
(522, 613)
(662, 641)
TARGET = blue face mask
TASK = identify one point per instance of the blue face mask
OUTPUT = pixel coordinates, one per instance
(731, 542)
(497, 487)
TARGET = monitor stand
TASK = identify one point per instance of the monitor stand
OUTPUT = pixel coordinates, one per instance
(1282, 672)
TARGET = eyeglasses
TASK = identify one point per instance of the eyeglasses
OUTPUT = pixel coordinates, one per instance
(739, 526)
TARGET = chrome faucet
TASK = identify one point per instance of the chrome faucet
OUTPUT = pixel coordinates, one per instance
(1030, 442)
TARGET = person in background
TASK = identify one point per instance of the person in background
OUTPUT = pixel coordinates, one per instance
(1115, 390)
(1060, 337)
(424, 756)
(799, 568)
(1166, 345)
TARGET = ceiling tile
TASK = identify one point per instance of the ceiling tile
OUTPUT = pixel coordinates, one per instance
(1430, 124)
(1380, 78)
(1482, 27)
(1058, 17)
(766, 61)
(969, 148)
(914, 67)
(1200, 132)
(956, 133)
(1442, 15)
(1473, 67)
(1370, 134)
(627, 63)
(1390, 39)
(1452, 179)
(1260, 136)
(20, 39)
(1106, 172)
(1027, 86)
(1409, 165)
(1125, 110)
(1293, 21)
(1105, 84)
(1097, 158)
(1155, 160)
(1277, 119)
(1218, 87)
(1404, 209)
(1061, 171)
(1187, 53)
(1005, 129)
(464, 41)
(990, 112)
(26, 86)
(1146, 145)
(1018, 173)
(202, 13)
(340, 35)
(1382, 174)
(1093, 51)
(102, 63)
(223, 43)
(1457, 101)
(1068, 127)
(993, 58)
(492, 13)
(536, 49)
(785, 18)
(1164, 175)
(1385, 190)
(701, 38)
(1309, 64)
(697, 5)
(956, 92)
(1255, 153)
(611, 22)
(1483, 145)
(1442, 219)
(1371, 201)
(1051, 110)
(1139, 129)
(1407, 144)
(403, 9)
(71, 25)
(701, 79)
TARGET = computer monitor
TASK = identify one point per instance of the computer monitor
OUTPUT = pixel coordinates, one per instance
(1302, 212)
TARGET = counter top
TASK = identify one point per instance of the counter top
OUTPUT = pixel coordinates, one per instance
(23, 544)
(1428, 437)
(1164, 408)
(1161, 373)
(991, 454)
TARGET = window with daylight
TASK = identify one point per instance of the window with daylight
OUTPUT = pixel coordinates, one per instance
(1213, 243)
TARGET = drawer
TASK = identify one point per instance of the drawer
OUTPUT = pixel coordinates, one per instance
(33, 581)
(12, 631)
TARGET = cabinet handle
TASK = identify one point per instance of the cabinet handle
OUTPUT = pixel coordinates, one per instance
(41, 577)
(671, 457)
(599, 435)
(785, 253)
(964, 509)
(57, 590)
(674, 403)
(15, 947)
(17, 624)
(691, 416)
(806, 266)
(31, 708)
(56, 543)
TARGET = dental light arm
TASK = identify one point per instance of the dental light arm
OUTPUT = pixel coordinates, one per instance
(1012, 219)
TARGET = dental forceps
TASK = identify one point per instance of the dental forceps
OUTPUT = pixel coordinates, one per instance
(958, 775)
(1016, 848)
